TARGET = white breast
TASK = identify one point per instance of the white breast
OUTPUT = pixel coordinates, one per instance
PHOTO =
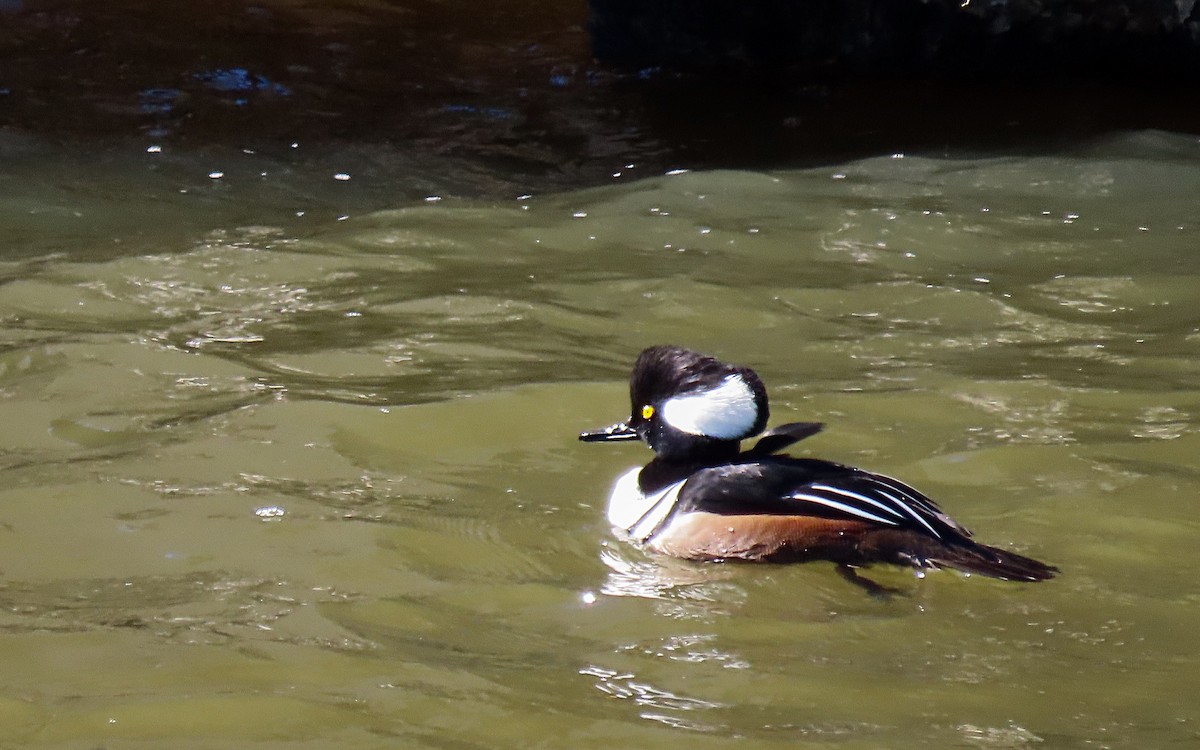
(636, 514)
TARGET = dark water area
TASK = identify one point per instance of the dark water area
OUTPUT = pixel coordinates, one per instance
(497, 97)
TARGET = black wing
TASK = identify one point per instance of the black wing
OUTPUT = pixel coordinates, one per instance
(811, 487)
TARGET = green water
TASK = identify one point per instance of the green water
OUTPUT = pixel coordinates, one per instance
(286, 465)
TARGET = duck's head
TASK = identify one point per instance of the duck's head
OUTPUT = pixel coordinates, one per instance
(688, 405)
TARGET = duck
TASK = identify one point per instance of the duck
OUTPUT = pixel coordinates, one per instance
(702, 497)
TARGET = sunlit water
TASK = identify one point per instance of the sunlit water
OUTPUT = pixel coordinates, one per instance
(293, 466)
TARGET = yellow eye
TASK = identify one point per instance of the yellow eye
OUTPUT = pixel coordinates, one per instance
(647, 411)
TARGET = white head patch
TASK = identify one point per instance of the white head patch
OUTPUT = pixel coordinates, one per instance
(726, 412)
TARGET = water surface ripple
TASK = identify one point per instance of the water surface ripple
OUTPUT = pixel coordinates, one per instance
(307, 482)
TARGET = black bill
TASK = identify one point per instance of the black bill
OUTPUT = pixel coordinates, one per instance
(621, 431)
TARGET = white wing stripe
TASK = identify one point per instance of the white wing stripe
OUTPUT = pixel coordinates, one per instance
(911, 512)
(844, 508)
(895, 502)
(857, 496)
(907, 492)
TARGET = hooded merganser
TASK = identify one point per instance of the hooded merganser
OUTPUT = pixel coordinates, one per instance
(703, 498)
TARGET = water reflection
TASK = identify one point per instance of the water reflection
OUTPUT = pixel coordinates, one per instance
(662, 706)
(686, 590)
(1011, 736)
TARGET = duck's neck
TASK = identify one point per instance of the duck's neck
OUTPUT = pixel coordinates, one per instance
(666, 470)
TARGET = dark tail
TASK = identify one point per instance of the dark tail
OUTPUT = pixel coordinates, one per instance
(992, 562)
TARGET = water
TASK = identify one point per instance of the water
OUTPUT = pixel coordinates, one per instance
(292, 465)
(302, 307)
